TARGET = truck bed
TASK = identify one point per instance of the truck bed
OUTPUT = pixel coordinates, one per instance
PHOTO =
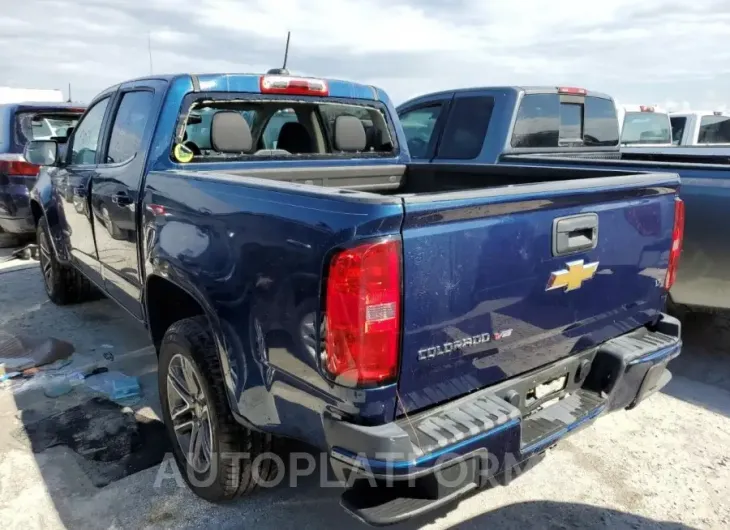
(413, 179)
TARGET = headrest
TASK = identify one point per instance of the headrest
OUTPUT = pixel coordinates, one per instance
(230, 133)
(349, 134)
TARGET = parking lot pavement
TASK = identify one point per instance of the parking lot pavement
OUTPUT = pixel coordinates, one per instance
(663, 465)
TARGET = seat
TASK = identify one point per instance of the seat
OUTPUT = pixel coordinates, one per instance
(294, 138)
(230, 133)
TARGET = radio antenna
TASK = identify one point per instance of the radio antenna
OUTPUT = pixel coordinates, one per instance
(149, 49)
(286, 50)
(282, 70)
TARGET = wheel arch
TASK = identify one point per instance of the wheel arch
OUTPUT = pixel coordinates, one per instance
(168, 299)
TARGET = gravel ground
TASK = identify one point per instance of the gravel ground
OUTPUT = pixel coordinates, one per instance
(663, 465)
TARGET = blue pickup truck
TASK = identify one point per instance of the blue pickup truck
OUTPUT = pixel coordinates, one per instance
(572, 129)
(302, 277)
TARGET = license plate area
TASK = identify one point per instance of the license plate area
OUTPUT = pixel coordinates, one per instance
(532, 391)
(550, 388)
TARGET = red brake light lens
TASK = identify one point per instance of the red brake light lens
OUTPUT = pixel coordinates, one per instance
(363, 314)
(645, 108)
(677, 241)
(299, 86)
(18, 168)
(572, 90)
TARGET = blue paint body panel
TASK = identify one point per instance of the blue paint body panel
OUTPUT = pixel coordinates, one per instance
(703, 277)
(481, 266)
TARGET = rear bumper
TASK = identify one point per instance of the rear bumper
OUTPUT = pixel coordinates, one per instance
(419, 463)
(15, 213)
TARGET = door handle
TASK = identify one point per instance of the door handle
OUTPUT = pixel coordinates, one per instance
(575, 233)
(121, 199)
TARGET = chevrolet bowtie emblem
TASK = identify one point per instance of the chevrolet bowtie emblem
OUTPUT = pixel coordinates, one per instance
(573, 276)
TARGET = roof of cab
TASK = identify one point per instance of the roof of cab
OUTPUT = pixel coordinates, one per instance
(514, 88)
(235, 82)
(45, 105)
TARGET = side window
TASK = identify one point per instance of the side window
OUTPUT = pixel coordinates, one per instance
(538, 121)
(678, 125)
(714, 130)
(86, 135)
(273, 128)
(466, 128)
(129, 125)
(418, 126)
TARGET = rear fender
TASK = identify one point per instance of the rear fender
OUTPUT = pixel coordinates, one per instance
(235, 359)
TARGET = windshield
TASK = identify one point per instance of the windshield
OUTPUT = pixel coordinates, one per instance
(42, 126)
(646, 128)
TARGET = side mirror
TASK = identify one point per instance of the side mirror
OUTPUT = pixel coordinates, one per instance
(42, 152)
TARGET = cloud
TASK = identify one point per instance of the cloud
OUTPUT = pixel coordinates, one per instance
(649, 52)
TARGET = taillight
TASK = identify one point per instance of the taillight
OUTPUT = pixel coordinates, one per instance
(363, 314)
(299, 86)
(646, 108)
(572, 90)
(18, 168)
(677, 239)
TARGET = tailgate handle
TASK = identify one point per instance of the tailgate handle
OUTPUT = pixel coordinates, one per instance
(575, 233)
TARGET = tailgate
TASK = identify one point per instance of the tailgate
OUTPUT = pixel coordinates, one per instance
(500, 281)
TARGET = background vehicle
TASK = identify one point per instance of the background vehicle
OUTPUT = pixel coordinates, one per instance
(645, 125)
(408, 319)
(29, 95)
(537, 126)
(701, 128)
(19, 123)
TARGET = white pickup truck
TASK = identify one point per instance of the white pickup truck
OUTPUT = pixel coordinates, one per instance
(706, 128)
(644, 125)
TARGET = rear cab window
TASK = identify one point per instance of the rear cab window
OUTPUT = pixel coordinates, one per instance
(285, 128)
(44, 124)
(646, 127)
(558, 120)
(714, 130)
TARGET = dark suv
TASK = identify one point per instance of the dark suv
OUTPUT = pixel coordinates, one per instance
(20, 123)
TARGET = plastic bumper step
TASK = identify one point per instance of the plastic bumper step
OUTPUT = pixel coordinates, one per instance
(556, 420)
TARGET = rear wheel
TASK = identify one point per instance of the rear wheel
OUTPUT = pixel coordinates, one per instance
(219, 458)
(64, 284)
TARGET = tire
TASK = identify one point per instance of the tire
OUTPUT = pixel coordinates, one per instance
(191, 341)
(64, 284)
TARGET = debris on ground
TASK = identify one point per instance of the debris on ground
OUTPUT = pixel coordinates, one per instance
(118, 387)
(111, 440)
(27, 252)
(21, 352)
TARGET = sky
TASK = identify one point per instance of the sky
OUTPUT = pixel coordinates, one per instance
(667, 52)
